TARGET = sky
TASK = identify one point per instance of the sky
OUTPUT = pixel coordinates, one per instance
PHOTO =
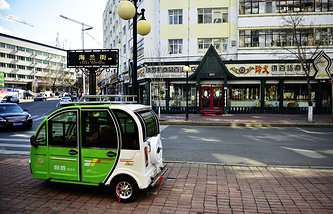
(44, 15)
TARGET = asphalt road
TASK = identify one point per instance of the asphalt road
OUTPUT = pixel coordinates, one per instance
(287, 146)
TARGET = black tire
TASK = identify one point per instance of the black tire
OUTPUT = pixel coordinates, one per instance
(125, 189)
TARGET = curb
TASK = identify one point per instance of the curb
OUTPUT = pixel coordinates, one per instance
(319, 125)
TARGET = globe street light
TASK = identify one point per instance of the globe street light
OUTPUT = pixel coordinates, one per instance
(187, 69)
(128, 10)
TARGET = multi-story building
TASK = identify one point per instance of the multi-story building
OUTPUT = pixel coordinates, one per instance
(29, 65)
(241, 54)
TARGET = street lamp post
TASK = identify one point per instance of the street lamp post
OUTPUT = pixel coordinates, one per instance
(128, 10)
(187, 69)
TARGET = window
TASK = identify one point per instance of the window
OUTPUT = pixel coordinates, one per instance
(99, 131)
(2, 55)
(206, 16)
(284, 6)
(175, 17)
(21, 76)
(63, 130)
(11, 66)
(38, 52)
(2, 45)
(281, 38)
(29, 59)
(21, 58)
(149, 124)
(129, 130)
(10, 56)
(38, 61)
(175, 46)
(29, 50)
(10, 47)
(41, 135)
(220, 44)
(20, 48)
(45, 62)
(11, 75)
(21, 67)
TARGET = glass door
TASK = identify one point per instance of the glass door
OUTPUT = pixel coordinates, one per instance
(211, 99)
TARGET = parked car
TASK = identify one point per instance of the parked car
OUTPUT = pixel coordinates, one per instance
(117, 145)
(65, 101)
(40, 97)
(10, 99)
(12, 115)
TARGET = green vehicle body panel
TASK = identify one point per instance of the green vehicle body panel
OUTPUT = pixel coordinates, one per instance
(89, 166)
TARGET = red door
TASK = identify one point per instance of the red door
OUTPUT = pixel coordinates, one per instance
(211, 99)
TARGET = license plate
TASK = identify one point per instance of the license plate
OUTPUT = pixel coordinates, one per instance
(17, 124)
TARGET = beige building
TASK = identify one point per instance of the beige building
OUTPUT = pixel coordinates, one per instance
(29, 65)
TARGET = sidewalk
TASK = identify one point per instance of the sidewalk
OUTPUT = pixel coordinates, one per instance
(257, 120)
(186, 188)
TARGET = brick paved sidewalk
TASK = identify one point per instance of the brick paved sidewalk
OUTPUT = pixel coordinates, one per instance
(248, 119)
(186, 188)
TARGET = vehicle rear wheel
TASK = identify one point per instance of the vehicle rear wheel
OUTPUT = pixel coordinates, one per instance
(125, 189)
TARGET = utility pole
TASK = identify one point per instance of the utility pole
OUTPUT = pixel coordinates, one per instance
(84, 28)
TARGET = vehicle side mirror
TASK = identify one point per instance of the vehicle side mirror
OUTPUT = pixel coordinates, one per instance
(33, 141)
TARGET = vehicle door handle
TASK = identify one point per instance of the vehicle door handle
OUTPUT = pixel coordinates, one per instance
(72, 152)
(111, 154)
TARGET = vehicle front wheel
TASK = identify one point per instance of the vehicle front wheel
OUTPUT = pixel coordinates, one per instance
(125, 189)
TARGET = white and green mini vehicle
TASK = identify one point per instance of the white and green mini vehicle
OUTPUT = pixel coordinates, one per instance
(100, 142)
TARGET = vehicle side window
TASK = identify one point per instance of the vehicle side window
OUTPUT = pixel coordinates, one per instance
(62, 130)
(41, 135)
(149, 122)
(129, 130)
(98, 130)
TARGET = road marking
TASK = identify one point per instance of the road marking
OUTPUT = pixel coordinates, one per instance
(14, 145)
(16, 139)
(11, 152)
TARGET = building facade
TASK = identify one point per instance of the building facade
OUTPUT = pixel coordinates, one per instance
(242, 54)
(32, 66)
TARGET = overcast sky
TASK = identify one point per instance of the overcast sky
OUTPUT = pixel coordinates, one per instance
(44, 15)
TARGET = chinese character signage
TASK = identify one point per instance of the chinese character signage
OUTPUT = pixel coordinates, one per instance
(93, 58)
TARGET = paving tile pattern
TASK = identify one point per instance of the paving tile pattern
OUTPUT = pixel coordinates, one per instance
(237, 119)
(186, 188)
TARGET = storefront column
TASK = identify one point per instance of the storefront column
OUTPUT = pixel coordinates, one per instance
(148, 93)
(197, 89)
(319, 97)
(262, 96)
(167, 96)
(281, 97)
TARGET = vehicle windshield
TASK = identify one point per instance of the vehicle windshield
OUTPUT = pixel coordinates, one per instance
(10, 109)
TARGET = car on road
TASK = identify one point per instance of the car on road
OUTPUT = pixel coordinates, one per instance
(13, 116)
(10, 99)
(65, 101)
(40, 97)
(93, 143)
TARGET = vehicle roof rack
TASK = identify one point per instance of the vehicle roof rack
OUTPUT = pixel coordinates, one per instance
(107, 99)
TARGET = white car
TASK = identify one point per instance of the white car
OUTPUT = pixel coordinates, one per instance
(65, 101)
(10, 99)
(100, 144)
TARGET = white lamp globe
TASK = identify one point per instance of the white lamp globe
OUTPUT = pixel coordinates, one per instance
(143, 27)
(126, 10)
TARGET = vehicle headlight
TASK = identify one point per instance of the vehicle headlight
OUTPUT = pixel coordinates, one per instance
(2, 119)
(29, 117)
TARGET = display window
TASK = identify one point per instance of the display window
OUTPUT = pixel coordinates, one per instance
(244, 95)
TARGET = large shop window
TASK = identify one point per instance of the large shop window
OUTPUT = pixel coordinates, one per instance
(178, 96)
(158, 94)
(244, 96)
(296, 95)
(272, 95)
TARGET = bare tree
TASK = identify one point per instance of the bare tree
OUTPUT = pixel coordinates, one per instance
(157, 76)
(303, 45)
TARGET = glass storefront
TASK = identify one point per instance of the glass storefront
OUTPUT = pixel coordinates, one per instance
(158, 94)
(178, 95)
(296, 95)
(241, 95)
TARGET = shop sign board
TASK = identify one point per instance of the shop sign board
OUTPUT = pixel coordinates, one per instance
(260, 70)
(93, 58)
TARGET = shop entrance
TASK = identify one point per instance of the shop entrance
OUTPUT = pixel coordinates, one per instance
(211, 99)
